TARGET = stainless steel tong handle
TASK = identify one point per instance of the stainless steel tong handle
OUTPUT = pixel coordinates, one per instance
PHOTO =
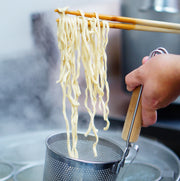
(133, 121)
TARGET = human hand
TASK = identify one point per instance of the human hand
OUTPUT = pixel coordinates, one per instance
(160, 77)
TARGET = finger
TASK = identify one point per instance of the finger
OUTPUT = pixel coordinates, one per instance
(145, 59)
(149, 117)
(133, 79)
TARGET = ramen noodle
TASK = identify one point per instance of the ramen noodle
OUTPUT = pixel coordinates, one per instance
(82, 42)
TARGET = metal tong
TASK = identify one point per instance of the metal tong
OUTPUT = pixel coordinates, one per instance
(133, 121)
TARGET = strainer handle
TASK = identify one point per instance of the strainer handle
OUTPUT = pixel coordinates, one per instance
(135, 128)
(133, 121)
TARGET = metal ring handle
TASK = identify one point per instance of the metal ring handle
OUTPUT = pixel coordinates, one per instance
(157, 51)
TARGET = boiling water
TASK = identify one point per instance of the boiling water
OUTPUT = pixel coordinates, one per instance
(139, 172)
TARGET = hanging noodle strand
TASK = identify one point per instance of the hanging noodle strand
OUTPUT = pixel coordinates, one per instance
(78, 42)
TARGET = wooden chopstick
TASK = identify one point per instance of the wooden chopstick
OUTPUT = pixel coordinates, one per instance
(145, 22)
(142, 28)
(139, 27)
(132, 23)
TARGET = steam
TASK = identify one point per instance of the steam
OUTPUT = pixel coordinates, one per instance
(30, 99)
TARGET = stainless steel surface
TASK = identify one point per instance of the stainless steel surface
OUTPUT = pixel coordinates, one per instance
(59, 166)
(137, 44)
(33, 172)
(6, 171)
(141, 172)
(151, 152)
(168, 6)
(159, 50)
(157, 155)
(23, 150)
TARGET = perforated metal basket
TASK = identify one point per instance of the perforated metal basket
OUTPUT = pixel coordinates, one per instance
(60, 167)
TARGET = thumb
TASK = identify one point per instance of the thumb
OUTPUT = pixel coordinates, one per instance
(145, 59)
(133, 79)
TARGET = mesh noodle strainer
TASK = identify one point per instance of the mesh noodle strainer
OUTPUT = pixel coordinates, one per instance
(106, 166)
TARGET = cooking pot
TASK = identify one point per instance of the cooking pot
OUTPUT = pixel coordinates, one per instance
(151, 152)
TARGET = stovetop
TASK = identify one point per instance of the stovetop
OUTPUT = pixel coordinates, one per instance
(26, 151)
